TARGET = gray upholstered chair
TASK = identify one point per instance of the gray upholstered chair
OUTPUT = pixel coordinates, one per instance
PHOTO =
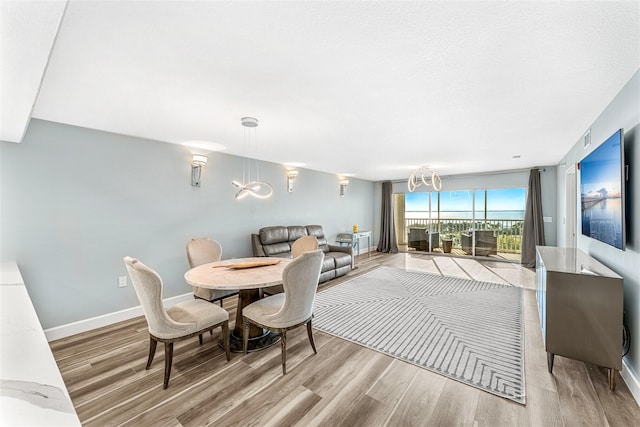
(300, 246)
(292, 308)
(203, 251)
(183, 320)
(420, 237)
(486, 242)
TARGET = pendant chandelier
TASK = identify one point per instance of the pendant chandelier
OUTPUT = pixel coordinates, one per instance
(424, 176)
(251, 184)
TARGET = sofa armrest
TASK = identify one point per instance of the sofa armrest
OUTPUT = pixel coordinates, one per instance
(346, 250)
(258, 250)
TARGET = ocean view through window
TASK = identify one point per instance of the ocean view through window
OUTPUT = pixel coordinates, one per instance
(470, 222)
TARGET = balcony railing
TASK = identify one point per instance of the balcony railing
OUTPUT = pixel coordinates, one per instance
(508, 231)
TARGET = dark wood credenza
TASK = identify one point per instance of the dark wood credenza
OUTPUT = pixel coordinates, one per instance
(580, 303)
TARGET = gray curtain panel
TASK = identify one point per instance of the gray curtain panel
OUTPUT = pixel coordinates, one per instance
(388, 241)
(533, 228)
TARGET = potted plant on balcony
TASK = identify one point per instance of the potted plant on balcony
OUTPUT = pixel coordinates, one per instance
(447, 243)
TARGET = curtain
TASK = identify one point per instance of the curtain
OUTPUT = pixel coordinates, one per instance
(533, 228)
(388, 241)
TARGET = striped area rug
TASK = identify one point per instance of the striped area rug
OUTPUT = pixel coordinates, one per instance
(469, 331)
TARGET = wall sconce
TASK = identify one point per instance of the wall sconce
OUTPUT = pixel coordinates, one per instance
(197, 162)
(343, 186)
(291, 176)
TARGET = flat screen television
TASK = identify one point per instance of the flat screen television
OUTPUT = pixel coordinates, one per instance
(602, 188)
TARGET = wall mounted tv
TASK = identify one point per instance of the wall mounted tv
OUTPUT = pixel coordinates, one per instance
(602, 188)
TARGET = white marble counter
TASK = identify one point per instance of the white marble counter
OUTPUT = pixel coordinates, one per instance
(32, 392)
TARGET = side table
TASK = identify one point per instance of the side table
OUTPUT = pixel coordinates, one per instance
(353, 239)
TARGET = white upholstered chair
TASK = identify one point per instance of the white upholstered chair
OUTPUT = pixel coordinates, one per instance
(299, 246)
(183, 320)
(292, 308)
(203, 251)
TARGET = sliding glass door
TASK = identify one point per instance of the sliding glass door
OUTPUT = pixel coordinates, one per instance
(504, 216)
(455, 215)
(485, 223)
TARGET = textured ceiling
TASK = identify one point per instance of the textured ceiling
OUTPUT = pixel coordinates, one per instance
(373, 89)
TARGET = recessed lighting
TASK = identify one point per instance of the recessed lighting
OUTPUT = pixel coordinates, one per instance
(517, 156)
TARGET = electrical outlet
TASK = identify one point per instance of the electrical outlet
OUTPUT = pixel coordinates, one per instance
(122, 281)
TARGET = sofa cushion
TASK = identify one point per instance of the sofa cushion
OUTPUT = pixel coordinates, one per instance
(277, 248)
(341, 258)
(328, 264)
(316, 230)
(296, 232)
(271, 235)
(326, 276)
(342, 270)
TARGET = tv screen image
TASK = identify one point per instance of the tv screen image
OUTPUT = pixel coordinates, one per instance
(602, 192)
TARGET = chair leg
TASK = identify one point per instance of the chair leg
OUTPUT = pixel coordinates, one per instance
(168, 358)
(225, 339)
(283, 347)
(245, 335)
(152, 350)
(200, 338)
(310, 334)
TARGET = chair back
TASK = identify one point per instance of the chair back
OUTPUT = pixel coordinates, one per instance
(203, 251)
(303, 244)
(300, 282)
(148, 286)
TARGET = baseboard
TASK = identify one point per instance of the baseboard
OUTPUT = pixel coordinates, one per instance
(365, 250)
(631, 380)
(74, 328)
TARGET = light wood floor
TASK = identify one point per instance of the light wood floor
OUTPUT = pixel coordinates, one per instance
(343, 385)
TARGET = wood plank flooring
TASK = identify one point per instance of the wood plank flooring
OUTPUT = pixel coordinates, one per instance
(343, 385)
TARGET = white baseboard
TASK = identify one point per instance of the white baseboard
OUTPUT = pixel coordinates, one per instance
(632, 381)
(74, 328)
(365, 250)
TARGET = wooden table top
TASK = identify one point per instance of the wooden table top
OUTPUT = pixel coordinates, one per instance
(217, 275)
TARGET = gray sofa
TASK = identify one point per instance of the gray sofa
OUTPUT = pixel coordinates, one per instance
(276, 242)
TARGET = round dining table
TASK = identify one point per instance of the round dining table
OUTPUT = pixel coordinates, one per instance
(248, 276)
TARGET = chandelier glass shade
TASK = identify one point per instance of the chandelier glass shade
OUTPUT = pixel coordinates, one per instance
(424, 176)
(251, 184)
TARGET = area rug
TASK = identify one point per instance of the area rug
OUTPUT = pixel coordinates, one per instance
(469, 331)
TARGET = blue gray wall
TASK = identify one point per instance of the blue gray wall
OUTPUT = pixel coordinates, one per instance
(622, 112)
(74, 201)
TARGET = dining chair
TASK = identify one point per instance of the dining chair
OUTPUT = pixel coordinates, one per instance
(203, 251)
(183, 320)
(299, 246)
(291, 309)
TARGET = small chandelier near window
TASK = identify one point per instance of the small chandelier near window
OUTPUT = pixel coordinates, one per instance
(251, 184)
(424, 176)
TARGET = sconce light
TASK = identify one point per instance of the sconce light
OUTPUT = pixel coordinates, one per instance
(343, 186)
(197, 162)
(291, 176)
